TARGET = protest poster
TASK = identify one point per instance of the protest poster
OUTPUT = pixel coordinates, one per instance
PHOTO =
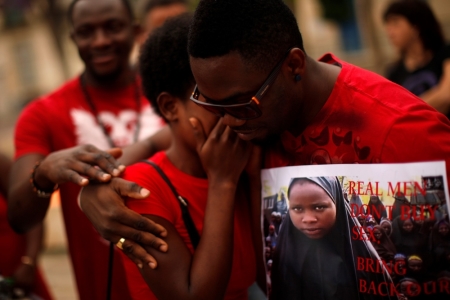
(361, 231)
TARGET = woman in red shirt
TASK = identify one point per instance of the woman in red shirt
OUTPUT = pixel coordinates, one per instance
(208, 174)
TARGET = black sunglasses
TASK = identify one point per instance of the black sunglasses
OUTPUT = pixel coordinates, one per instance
(244, 111)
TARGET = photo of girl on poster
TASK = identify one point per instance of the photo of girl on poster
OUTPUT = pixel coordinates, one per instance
(316, 257)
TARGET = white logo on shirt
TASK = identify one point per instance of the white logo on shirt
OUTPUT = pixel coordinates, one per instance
(121, 127)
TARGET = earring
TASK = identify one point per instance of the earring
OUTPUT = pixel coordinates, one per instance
(297, 77)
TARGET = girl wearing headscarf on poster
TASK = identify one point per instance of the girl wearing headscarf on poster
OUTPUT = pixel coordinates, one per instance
(383, 245)
(376, 208)
(318, 256)
(386, 224)
(356, 205)
(440, 245)
(407, 238)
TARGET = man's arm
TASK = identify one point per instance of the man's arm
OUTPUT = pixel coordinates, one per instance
(25, 207)
(5, 167)
(25, 274)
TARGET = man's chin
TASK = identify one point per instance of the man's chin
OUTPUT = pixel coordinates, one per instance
(105, 75)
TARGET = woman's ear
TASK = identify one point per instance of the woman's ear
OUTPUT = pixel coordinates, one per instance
(168, 106)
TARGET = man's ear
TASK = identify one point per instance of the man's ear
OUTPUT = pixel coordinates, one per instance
(168, 106)
(296, 62)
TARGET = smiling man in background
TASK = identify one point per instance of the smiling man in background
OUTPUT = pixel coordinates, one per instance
(103, 107)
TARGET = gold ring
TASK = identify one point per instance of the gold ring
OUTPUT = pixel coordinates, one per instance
(119, 244)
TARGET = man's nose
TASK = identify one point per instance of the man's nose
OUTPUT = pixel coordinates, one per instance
(232, 121)
(101, 38)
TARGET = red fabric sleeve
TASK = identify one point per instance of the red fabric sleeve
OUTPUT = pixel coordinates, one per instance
(32, 132)
(160, 202)
(427, 139)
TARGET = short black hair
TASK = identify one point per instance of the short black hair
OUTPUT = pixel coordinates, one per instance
(420, 15)
(126, 3)
(259, 30)
(164, 61)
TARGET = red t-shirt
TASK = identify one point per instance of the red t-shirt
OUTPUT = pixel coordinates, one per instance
(13, 248)
(163, 203)
(61, 120)
(366, 119)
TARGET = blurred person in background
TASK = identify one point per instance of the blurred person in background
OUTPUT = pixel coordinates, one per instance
(20, 275)
(156, 12)
(424, 64)
(104, 107)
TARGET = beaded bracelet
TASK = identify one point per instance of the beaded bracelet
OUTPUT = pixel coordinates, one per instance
(40, 193)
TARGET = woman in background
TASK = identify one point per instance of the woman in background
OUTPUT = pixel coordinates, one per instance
(376, 208)
(424, 64)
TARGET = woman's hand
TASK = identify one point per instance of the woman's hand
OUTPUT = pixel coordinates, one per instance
(223, 154)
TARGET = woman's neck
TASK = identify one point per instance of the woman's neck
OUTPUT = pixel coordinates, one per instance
(185, 159)
(416, 56)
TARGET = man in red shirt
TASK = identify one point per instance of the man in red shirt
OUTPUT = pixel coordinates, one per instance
(20, 254)
(250, 66)
(104, 107)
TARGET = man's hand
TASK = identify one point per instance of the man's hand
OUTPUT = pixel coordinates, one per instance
(24, 278)
(78, 165)
(105, 208)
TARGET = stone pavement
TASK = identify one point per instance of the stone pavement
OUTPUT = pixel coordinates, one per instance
(58, 273)
(55, 262)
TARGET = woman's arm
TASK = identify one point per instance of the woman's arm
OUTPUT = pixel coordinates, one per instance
(205, 274)
(144, 149)
(439, 96)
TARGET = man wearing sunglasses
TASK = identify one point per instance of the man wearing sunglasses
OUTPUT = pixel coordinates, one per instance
(251, 68)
